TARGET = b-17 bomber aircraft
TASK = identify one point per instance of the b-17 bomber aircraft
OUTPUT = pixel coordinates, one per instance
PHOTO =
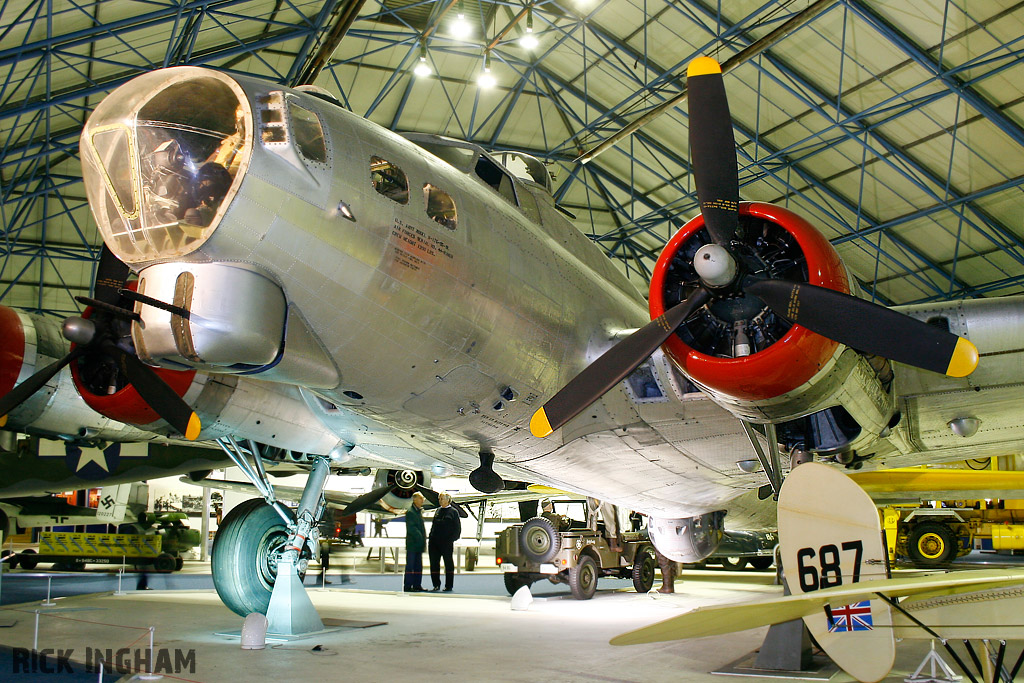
(432, 305)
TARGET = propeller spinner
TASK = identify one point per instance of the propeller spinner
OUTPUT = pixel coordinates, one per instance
(723, 273)
(98, 335)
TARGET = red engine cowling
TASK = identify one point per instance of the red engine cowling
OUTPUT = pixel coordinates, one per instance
(12, 349)
(780, 356)
(104, 388)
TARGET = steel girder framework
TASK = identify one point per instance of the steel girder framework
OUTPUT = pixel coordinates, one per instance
(831, 155)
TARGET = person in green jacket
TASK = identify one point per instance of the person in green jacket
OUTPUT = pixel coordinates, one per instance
(415, 544)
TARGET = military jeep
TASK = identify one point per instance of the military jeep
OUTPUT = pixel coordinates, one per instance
(537, 550)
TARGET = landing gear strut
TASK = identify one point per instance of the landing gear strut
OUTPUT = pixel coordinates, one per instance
(262, 548)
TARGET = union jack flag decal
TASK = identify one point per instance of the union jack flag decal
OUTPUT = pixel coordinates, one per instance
(855, 617)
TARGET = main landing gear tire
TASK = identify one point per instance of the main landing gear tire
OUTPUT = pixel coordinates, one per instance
(931, 544)
(583, 578)
(539, 540)
(245, 555)
(644, 567)
(761, 563)
(513, 582)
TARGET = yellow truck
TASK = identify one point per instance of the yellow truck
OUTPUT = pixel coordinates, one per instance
(935, 536)
(161, 549)
(970, 510)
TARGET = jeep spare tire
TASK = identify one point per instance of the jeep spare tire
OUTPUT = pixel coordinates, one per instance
(539, 540)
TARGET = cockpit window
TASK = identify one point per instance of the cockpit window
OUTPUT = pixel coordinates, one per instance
(389, 180)
(309, 135)
(495, 176)
(440, 206)
(161, 162)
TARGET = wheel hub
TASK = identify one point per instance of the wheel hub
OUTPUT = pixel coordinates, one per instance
(930, 545)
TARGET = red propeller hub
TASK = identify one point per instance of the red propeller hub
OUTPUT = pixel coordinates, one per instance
(124, 404)
(783, 356)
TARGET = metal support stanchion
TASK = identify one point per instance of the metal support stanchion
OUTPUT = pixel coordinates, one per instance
(149, 675)
(35, 635)
(120, 575)
(48, 603)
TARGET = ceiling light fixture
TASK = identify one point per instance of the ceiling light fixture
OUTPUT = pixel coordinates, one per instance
(486, 78)
(422, 68)
(528, 41)
(460, 28)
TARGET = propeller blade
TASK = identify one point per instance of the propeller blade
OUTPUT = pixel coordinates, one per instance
(113, 310)
(713, 149)
(614, 365)
(432, 496)
(21, 393)
(155, 303)
(367, 499)
(156, 393)
(867, 327)
(111, 274)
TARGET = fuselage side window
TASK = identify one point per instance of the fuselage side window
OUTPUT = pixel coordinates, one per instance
(309, 135)
(440, 206)
(389, 180)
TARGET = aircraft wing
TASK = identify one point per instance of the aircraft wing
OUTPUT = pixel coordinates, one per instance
(717, 620)
(908, 484)
(336, 499)
(341, 499)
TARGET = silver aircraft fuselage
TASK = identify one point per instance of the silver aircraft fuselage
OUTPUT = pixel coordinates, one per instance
(425, 298)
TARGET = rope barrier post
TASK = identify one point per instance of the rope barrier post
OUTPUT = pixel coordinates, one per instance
(48, 603)
(99, 679)
(35, 635)
(149, 675)
(120, 575)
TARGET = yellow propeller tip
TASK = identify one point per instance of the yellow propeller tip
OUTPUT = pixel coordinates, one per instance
(703, 66)
(964, 359)
(194, 427)
(3, 420)
(539, 425)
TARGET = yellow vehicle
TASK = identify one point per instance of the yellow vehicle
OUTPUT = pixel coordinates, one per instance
(935, 536)
(161, 548)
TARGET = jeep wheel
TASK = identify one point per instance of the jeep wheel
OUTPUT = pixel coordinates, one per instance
(644, 567)
(514, 581)
(583, 578)
(539, 540)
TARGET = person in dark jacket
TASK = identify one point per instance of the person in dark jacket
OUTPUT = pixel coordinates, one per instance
(415, 540)
(444, 531)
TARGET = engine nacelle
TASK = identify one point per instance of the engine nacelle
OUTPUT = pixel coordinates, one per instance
(757, 364)
(689, 539)
(105, 388)
(406, 483)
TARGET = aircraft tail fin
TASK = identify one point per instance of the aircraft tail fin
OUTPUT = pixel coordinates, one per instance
(113, 503)
(830, 543)
(829, 536)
